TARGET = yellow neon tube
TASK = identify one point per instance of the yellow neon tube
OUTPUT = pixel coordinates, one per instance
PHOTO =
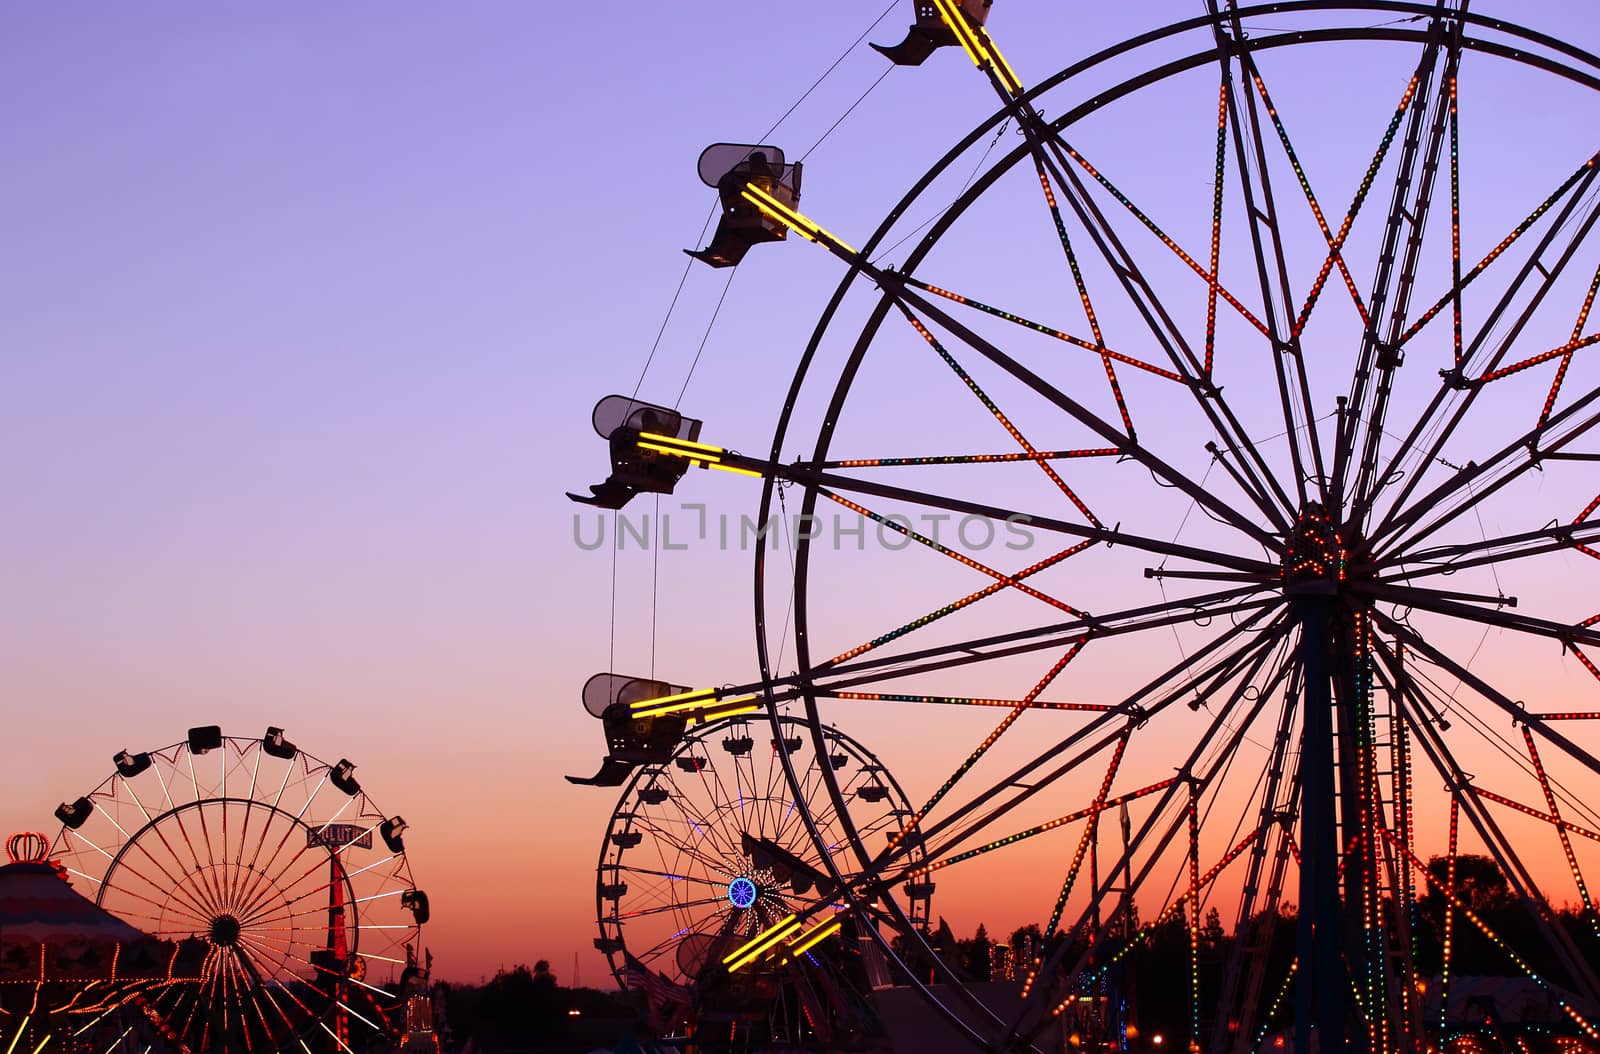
(958, 25)
(1008, 76)
(672, 698)
(744, 704)
(816, 936)
(24, 1027)
(682, 442)
(42, 1042)
(765, 942)
(711, 707)
(646, 710)
(760, 943)
(737, 471)
(692, 455)
(790, 218)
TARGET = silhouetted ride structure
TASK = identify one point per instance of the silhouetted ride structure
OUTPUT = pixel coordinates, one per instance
(279, 866)
(707, 854)
(1288, 422)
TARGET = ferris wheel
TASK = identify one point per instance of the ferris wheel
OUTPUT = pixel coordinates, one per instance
(1284, 376)
(279, 865)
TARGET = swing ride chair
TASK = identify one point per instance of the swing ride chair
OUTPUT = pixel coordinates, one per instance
(631, 740)
(734, 169)
(635, 431)
(930, 32)
(1355, 390)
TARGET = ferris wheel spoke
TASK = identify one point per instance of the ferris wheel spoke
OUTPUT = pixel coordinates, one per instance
(192, 899)
(909, 298)
(1263, 218)
(1201, 609)
(1404, 528)
(1096, 346)
(1455, 383)
(852, 484)
(192, 896)
(1494, 839)
(1581, 179)
(1194, 775)
(669, 876)
(716, 865)
(997, 413)
(1517, 711)
(1449, 559)
(236, 874)
(1444, 603)
(1255, 478)
(1573, 191)
(1412, 197)
(1214, 663)
(1202, 676)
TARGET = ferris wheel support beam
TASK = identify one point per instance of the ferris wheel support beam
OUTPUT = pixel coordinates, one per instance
(1270, 816)
(1320, 929)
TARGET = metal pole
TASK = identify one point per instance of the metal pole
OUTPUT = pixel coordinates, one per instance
(1321, 985)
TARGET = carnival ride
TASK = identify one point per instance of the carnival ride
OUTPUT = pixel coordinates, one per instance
(706, 852)
(1261, 399)
(284, 871)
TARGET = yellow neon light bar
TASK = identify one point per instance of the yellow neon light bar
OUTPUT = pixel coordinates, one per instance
(816, 936)
(660, 699)
(790, 218)
(692, 455)
(976, 43)
(761, 943)
(743, 705)
(42, 1043)
(708, 448)
(1008, 76)
(958, 25)
(737, 471)
(27, 1017)
(712, 707)
(669, 708)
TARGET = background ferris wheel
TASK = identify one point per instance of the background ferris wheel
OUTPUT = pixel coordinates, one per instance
(284, 867)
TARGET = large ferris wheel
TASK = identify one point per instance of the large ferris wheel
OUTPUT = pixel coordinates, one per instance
(1272, 327)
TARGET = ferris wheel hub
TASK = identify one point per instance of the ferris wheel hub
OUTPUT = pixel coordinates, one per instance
(225, 930)
(742, 892)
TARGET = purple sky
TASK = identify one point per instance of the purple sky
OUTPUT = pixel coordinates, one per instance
(302, 311)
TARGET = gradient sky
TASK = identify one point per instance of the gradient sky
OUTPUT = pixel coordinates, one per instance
(302, 312)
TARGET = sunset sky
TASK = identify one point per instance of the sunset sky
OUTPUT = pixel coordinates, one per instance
(303, 310)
